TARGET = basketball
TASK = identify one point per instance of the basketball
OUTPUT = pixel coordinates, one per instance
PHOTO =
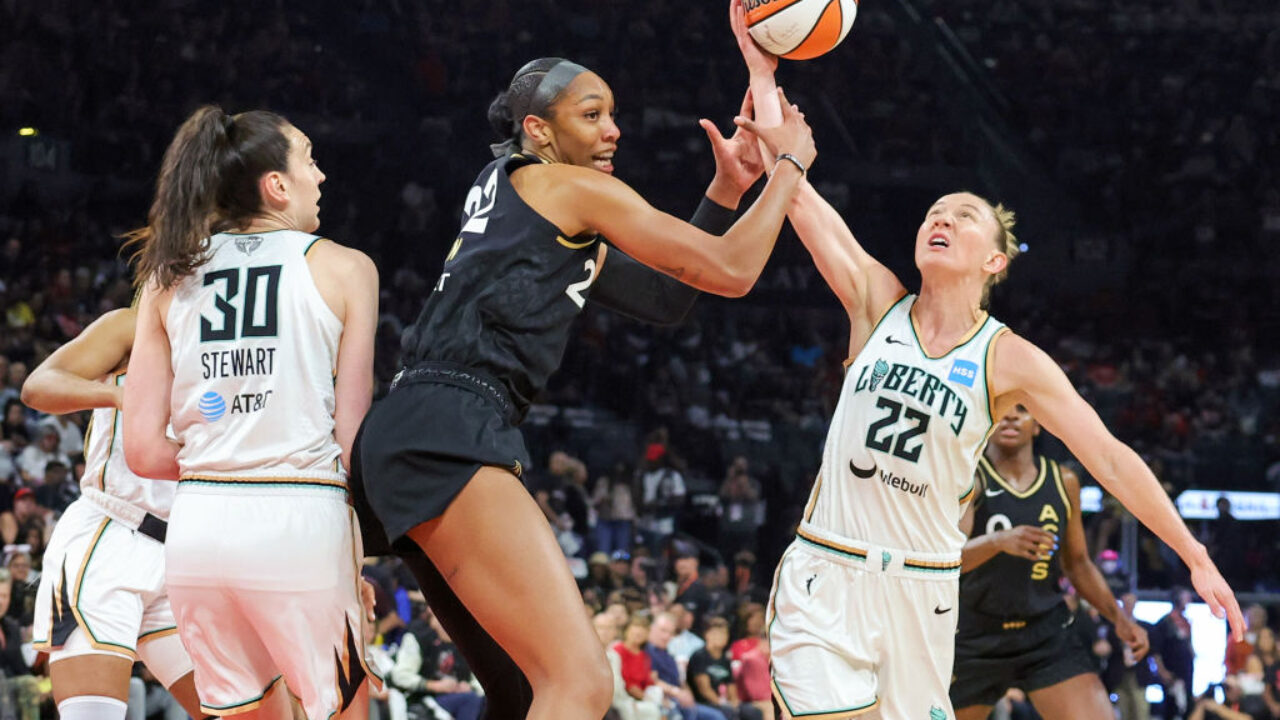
(799, 29)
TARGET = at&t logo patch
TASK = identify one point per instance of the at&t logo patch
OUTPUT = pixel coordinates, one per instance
(212, 406)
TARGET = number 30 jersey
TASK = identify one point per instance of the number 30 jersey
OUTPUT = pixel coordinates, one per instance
(254, 350)
(511, 286)
(904, 442)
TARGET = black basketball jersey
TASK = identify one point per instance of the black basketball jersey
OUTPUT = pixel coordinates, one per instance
(1006, 586)
(508, 293)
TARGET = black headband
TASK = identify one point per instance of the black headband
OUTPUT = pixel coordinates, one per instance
(552, 84)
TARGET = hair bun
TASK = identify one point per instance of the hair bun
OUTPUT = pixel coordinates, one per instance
(500, 118)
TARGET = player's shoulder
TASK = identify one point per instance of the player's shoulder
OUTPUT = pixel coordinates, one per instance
(328, 250)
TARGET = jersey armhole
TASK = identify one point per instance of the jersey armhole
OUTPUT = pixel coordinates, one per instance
(986, 371)
(307, 251)
(849, 360)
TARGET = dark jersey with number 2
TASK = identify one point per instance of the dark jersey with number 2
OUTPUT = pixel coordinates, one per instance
(509, 291)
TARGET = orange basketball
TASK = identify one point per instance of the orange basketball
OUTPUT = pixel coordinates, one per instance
(800, 29)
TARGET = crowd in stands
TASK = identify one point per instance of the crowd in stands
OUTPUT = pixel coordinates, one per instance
(673, 461)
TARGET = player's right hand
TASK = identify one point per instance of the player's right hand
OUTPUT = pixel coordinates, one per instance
(1027, 541)
(1211, 586)
(758, 60)
(793, 136)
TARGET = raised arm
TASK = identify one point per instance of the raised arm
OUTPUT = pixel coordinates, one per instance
(147, 387)
(1025, 374)
(627, 286)
(580, 199)
(68, 380)
(348, 281)
(866, 288)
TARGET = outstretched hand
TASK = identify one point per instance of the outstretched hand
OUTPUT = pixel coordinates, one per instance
(758, 60)
(738, 161)
(793, 136)
(1211, 586)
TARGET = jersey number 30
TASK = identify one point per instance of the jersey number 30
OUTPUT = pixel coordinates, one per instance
(258, 307)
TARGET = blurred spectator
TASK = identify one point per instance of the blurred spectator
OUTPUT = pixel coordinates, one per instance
(58, 489)
(17, 525)
(710, 675)
(16, 429)
(686, 642)
(1235, 704)
(1127, 676)
(614, 501)
(1227, 544)
(750, 655)
(431, 672)
(630, 672)
(668, 671)
(33, 458)
(1174, 656)
(664, 491)
(742, 508)
(745, 588)
(691, 592)
(16, 680)
(22, 588)
(1255, 618)
(607, 629)
(71, 437)
(562, 497)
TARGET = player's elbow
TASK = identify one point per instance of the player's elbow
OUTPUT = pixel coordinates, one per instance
(34, 394)
(739, 281)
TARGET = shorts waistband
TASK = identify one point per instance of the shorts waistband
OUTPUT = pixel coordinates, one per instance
(879, 559)
(447, 373)
(974, 622)
(128, 514)
(239, 483)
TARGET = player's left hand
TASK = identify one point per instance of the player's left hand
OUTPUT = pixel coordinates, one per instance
(1211, 586)
(738, 161)
(368, 599)
(1132, 634)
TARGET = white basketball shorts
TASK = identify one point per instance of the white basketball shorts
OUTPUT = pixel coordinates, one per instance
(264, 580)
(103, 592)
(854, 627)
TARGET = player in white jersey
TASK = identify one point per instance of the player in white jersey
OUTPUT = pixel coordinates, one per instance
(255, 340)
(863, 608)
(102, 601)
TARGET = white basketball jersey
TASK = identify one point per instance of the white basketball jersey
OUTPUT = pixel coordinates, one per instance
(254, 353)
(106, 470)
(904, 442)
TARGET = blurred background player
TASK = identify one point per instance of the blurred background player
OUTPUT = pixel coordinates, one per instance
(102, 600)
(255, 340)
(1014, 625)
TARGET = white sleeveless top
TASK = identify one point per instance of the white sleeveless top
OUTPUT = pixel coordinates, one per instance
(905, 439)
(254, 354)
(106, 471)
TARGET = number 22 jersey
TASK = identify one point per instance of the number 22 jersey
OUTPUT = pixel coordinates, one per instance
(254, 351)
(905, 438)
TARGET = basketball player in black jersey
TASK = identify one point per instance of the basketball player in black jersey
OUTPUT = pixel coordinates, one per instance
(1014, 624)
(544, 229)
